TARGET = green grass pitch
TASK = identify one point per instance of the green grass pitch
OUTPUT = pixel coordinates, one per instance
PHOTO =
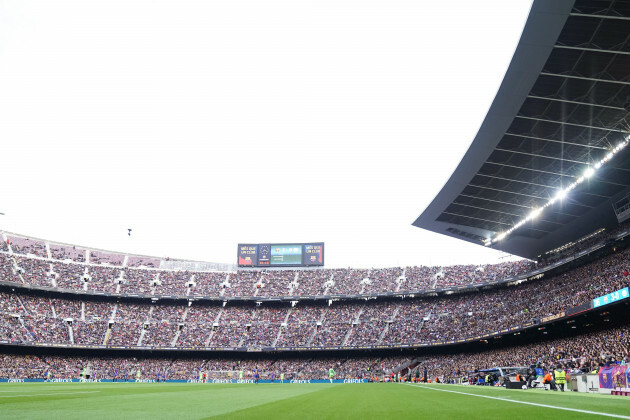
(297, 401)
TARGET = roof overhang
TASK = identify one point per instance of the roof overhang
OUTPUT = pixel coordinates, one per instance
(562, 105)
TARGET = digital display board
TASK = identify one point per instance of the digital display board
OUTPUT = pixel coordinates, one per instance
(286, 254)
(264, 254)
(313, 254)
(611, 297)
(281, 255)
(247, 255)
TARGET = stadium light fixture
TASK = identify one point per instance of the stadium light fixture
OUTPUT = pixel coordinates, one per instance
(535, 213)
(562, 193)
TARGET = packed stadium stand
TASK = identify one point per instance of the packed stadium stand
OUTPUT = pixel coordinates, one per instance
(164, 313)
(544, 179)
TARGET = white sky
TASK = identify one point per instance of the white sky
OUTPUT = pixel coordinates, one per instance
(202, 124)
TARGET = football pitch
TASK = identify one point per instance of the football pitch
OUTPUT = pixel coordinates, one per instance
(297, 401)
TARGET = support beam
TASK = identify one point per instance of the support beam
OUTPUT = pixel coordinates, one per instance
(491, 221)
(542, 156)
(573, 124)
(495, 201)
(588, 146)
(477, 218)
(566, 47)
(545, 199)
(582, 192)
(589, 79)
(517, 180)
(529, 169)
(520, 216)
(618, 108)
(600, 16)
(512, 204)
(603, 181)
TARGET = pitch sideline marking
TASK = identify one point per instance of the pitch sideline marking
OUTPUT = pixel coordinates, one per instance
(619, 416)
(56, 393)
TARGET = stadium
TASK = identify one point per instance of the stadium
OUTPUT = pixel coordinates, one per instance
(275, 332)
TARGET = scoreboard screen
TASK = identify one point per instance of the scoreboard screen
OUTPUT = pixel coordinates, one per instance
(286, 254)
(281, 255)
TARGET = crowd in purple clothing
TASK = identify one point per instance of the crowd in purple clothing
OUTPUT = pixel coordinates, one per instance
(160, 334)
(104, 257)
(138, 261)
(383, 280)
(206, 284)
(141, 275)
(89, 332)
(194, 334)
(32, 271)
(596, 238)
(267, 283)
(124, 334)
(103, 279)
(362, 323)
(67, 252)
(347, 281)
(137, 281)
(55, 368)
(242, 283)
(25, 246)
(275, 283)
(579, 354)
(68, 276)
(172, 282)
(311, 282)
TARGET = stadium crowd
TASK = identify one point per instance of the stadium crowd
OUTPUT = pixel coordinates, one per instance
(67, 252)
(579, 354)
(363, 323)
(104, 257)
(36, 262)
(54, 367)
(25, 246)
(138, 279)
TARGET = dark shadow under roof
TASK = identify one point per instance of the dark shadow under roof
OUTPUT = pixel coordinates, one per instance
(564, 104)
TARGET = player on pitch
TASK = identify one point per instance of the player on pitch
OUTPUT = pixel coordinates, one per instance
(331, 374)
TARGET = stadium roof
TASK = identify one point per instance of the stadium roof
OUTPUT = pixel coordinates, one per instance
(561, 108)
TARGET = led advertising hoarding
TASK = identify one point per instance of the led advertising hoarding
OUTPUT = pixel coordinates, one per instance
(610, 298)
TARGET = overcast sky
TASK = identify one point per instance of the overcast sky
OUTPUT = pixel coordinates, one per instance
(202, 124)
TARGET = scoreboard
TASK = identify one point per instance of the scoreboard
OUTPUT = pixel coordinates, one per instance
(281, 255)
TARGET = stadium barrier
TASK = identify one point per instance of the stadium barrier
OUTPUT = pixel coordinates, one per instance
(193, 381)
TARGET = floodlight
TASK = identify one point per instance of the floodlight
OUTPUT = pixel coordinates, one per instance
(534, 214)
(560, 195)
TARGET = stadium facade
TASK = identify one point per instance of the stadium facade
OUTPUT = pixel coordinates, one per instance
(559, 117)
